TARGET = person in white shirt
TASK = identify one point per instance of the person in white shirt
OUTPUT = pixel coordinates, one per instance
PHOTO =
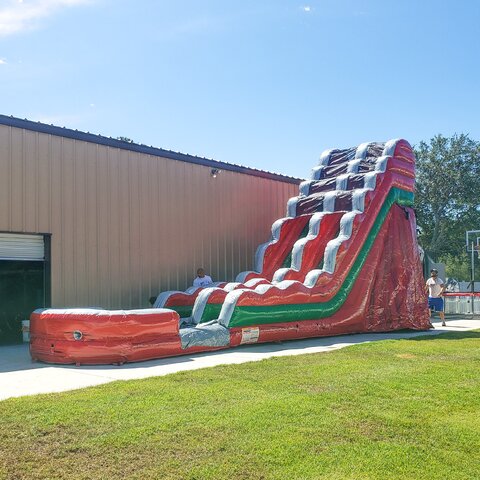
(202, 280)
(435, 288)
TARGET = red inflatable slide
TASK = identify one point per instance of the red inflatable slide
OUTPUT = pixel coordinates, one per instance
(344, 260)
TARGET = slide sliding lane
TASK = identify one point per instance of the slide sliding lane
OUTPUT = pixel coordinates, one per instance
(271, 255)
(292, 301)
(207, 303)
(388, 293)
(329, 201)
(182, 302)
(307, 253)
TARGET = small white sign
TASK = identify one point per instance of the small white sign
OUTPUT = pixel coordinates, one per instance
(250, 335)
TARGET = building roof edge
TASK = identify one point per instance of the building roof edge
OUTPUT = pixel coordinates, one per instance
(139, 148)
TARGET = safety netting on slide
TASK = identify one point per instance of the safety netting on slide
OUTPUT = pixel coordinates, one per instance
(344, 260)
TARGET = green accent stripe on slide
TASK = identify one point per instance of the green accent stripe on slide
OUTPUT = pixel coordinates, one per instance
(185, 311)
(211, 312)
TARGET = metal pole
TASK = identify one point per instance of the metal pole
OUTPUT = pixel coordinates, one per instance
(473, 280)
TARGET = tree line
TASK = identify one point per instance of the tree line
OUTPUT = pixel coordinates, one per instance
(447, 199)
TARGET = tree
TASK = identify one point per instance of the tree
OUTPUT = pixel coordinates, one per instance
(125, 139)
(448, 193)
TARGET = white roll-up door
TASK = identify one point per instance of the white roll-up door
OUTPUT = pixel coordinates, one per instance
(15, 246)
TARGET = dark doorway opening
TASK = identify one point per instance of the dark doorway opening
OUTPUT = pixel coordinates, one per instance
(23, 288)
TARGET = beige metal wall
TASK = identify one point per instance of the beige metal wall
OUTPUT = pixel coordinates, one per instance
(127, 225)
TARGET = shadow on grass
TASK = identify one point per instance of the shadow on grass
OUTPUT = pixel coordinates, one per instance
(447, 336)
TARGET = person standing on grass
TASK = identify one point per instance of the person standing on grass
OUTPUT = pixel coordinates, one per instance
(435, 288)
(202, 280)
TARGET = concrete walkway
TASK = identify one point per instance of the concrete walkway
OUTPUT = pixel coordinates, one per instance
(19, 376)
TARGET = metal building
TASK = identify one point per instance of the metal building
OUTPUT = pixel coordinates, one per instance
(87, 220)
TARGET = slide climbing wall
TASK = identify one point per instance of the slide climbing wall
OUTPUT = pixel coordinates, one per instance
(343, 260)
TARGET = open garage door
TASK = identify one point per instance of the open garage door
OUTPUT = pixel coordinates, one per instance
(24, 281)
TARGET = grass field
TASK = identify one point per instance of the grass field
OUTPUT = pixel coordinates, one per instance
(393, 409)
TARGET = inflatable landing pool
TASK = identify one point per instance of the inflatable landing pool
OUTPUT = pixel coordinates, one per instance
(344, 260)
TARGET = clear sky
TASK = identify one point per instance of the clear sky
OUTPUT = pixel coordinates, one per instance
(264, 83)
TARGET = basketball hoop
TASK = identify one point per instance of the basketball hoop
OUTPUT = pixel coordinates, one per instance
(473, 245)
(472, 238)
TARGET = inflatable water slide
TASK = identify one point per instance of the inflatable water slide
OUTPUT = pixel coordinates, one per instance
(344, 260)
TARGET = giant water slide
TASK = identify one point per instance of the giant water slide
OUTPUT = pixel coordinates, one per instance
(343, 260)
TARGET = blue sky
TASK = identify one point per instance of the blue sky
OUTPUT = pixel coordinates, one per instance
(267, 84)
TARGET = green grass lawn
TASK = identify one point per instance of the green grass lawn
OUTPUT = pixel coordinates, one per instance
(393, 409)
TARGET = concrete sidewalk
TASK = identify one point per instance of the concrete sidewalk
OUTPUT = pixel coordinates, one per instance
(19, 376)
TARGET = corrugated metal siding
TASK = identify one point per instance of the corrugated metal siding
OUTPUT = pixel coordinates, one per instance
(127, 225)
